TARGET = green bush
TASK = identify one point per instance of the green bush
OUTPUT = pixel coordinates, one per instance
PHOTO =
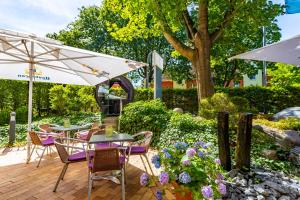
(186, 128)
(22, 114)
(4, 117)
(260, 99)
(145, 115)
(290, 123)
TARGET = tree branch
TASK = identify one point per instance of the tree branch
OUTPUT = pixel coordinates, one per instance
(176, 43)
(228, 17)
(189, 24)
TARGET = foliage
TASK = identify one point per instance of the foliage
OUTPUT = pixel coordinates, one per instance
(4, 116)
(261, 141)
(87, 98)
(22, 114)
(221, 28)
(290, 123)
(58, 95)
(284, 74)
(193, 168)
(184, 127)
(145, 116)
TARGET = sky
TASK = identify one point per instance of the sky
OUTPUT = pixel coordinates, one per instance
(47, 16)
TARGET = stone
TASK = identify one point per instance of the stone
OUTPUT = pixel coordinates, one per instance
(292, 138)
(260, 197)
(270, 154)
(249, 192)
(250, 198)
(277, 187)
(178, 110)
(233, 173)
(260, 189)
(284, 198)
(288, 112)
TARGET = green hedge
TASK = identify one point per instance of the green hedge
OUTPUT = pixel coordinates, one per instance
(267, 100)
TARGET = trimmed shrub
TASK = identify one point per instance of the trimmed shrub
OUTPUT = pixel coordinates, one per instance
(22, 114)
(4, 117)
(145, 115)
(186, 128)
(290, 123)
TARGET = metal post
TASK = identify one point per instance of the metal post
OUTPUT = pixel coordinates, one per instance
(12, 128)
(157, 83)
(264, 71)
(30, 101)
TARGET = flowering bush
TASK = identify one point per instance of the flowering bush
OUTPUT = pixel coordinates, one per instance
(189, 168)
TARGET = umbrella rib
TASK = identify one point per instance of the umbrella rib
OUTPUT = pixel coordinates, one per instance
(55, 66)
(12, 55)
(47, 52)
(14, 47)
(68, 58)
(58, 69)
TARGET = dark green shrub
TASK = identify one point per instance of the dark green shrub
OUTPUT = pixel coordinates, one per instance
(186, 128)
(145, 115)
(22, 114)
(4, 117)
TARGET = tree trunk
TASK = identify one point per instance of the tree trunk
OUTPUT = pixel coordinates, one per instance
(201, 65)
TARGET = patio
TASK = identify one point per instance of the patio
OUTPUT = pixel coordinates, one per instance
(24, 181)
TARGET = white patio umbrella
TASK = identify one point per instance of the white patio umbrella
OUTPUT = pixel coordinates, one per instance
(31, 58)
(285, 51)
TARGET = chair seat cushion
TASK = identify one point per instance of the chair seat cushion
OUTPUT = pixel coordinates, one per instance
(49, 141)
(105, 145)
(136, 150)
(77, 156)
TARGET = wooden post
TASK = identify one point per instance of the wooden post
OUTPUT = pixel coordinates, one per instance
(243, 147)
(223, 140)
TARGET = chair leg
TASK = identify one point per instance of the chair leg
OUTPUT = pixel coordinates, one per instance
(145, 155)
(28, 160)
(90, 186)
(123, 183)
(144, 164)
(41, 157)
(63, 171)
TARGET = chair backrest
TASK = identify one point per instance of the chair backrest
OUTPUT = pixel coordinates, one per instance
(45, 128)
(106, 159)
(146, 140)
(35, 138)
(61, 150)
(91, 132)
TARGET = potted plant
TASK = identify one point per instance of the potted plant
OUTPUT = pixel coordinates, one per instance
(190, 172)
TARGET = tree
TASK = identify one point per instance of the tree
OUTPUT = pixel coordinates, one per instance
(90, 31)
(205, 22)
(285, 75)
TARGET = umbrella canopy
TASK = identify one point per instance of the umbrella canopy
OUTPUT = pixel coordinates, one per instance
(28, 57)
(285, 51)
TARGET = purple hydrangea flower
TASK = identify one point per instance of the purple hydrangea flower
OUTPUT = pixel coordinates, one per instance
(220, 176)
(201, 154)
(186, 162)
(218, 161)
(164, 178)
(159, 195)
(144, 179)
(201, 144)
(191, 152)
(184, 178)
(156, 161)
(207, 192)
(180, 145)
(222, 189)
(167, 154)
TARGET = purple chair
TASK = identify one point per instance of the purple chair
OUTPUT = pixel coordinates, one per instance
(37, 141)
(79, 156)
(140, 147)
(105, 159)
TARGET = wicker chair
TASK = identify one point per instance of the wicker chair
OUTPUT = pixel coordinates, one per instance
(106, 159)
(37, 141)
(79, 156)
(85, 134)
(46, 128)
(140, 147)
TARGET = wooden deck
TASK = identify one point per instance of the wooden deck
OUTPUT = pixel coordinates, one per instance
(24, 181)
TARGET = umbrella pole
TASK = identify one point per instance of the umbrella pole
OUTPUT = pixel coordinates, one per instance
(30, 102)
